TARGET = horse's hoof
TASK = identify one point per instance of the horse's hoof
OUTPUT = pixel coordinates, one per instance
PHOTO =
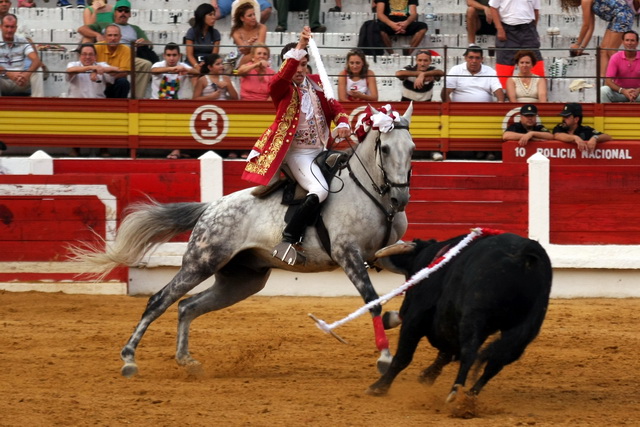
(376, 391)
(384, 361)
(465, 407)
(454, 393)
(129, 370)
(391, 319)
(195, 369)
(451, 397)
(187, 361)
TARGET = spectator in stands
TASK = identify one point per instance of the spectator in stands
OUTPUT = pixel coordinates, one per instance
(116, 55)
(130, 35)
(528, 128)
(37, 77)
(169, 76)
(623, 72)
(15, 51)
(246, 30)
(357, 82)
(571, 129)
(224, 8)
(401, 20)
(516, 24)
(526, 86)
(618, 13)
(472, 81)
(202, 39)
(417, 84)
(286, 6)
(5, 5)
(88, 78)
(99, 12)
(479, 20)
(212, 84)
(418, 80)
(255, 75)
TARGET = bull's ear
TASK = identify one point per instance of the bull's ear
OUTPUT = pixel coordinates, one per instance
(399, 247)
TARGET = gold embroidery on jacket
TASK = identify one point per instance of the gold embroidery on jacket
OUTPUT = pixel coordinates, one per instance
(339, 115)
(266, 158)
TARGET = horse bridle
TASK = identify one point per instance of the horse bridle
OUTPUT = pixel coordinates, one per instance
(388, 184)
(383, 189)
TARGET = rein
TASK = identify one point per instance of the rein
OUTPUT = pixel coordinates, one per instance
(381, 190)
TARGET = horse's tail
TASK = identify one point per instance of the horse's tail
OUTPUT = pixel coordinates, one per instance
(145, 226)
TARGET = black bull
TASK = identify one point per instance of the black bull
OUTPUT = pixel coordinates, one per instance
(500, 283)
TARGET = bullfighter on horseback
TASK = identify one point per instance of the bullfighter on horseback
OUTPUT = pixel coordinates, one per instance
(298, 134)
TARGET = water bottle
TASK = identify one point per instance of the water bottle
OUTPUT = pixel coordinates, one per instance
(432, 19)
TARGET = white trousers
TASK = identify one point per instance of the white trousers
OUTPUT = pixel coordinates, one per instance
(306, 172)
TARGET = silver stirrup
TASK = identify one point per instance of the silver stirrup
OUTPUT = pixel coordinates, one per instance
(290, 253)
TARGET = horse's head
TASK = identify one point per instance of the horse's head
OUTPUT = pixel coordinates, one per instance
(393, 150)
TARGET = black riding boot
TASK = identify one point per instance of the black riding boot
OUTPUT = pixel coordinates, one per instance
(289, 250)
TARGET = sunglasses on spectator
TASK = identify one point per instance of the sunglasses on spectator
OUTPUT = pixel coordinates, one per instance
(123, 10)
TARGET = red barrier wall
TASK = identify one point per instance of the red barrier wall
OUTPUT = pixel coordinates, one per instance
(593, 200)
(229, 125)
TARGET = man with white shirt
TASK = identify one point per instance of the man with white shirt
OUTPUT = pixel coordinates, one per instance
(88, 78)
(516, 28)
(472, 81)
(168, 77)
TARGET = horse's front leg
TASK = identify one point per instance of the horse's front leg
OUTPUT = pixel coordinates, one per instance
(355, 269)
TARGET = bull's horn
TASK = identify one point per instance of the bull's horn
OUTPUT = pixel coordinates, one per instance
(397, 248)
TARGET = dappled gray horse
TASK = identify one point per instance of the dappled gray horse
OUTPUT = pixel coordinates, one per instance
(233, 237)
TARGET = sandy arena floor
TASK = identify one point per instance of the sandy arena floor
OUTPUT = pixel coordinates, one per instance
(266, 364)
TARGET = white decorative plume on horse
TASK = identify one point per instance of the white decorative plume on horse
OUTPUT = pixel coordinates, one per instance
(232, 237)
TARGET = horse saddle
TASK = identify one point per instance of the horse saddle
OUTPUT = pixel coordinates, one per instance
(330, 163)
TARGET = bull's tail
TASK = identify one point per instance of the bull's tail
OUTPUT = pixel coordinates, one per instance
(537, 274)
(146, 225)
